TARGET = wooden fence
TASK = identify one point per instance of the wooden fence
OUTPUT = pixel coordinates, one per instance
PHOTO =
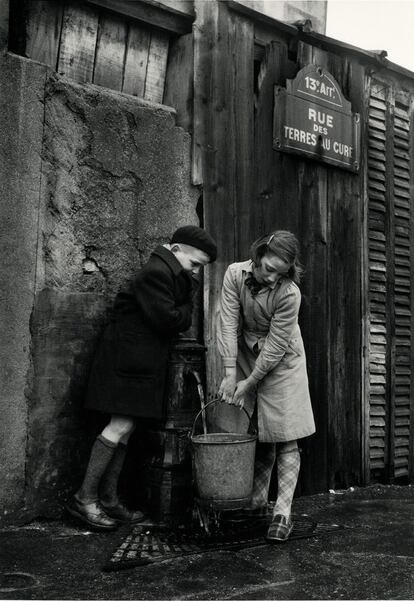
(88, 43)
(356, 232)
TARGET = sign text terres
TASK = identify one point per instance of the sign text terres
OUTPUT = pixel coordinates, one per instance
(312, 117)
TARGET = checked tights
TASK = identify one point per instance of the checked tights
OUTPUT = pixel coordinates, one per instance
(263, 466)
(288, 465)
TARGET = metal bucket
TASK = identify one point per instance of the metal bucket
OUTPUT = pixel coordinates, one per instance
(223, 467)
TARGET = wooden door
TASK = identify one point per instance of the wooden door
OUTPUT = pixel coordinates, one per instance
(321, 204)
(250, 189)
(291, 193)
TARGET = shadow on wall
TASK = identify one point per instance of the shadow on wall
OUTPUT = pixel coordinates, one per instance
(65, 330)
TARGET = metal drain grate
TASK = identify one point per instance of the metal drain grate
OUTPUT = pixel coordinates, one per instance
(146, 545)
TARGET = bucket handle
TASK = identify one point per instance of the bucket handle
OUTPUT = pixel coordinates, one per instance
(206, 406)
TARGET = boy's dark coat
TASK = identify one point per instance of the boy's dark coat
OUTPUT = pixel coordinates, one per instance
(130, 367)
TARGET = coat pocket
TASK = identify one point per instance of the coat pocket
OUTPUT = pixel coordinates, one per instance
(136, 356)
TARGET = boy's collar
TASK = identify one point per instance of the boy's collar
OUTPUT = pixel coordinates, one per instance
(169, 258)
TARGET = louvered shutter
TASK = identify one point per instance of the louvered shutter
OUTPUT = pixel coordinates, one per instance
(390, 255)
(377, 279)
(402, 390)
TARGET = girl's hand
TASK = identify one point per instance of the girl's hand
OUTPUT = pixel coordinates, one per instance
(227, 387)
(242, 387)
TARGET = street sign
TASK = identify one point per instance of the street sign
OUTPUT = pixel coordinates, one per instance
(312, 118)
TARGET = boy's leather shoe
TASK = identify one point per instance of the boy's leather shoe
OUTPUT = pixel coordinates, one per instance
(121, 514)
(280, 528)
(92, 514)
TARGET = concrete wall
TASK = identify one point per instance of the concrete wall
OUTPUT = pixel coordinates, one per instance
(91, 181)
(21, 129)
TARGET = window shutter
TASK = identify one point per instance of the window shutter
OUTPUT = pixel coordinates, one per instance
(377, 256)
(390, 296)
(402, 170)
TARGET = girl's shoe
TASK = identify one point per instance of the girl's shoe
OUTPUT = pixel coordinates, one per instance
(280, 528)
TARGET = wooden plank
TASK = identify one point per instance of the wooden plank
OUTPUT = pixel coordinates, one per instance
(241, 47)
(136, 60)
(110, 52)
(375, 194)
(377, 138)
(401, 472)
(376, 165)
(43, 29)
(210, 70)
(179, 81)
(206, 22)
(376, 154)
(376, 125)
(375, 114)
(378, 145)
(78, 43)
(403, 184)
(157, 67)
(181, 6)
(403, 111)
(377, 236)
(163, 17)
(401, 136)
(401, 143)
(401, 119)
(377, 256)
(402, 166)
(401, 154)
(377, 390)
(377, 442)
(377, 104)
(377, 176)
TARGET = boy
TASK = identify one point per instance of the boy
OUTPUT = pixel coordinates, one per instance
(129, 371)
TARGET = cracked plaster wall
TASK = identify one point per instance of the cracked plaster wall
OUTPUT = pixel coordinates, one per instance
(111, 181)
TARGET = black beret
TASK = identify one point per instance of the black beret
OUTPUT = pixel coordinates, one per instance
(196, 237)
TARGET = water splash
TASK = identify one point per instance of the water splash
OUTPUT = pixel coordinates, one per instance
(202, 398)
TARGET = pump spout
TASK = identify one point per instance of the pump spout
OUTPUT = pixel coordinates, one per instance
(200, 390)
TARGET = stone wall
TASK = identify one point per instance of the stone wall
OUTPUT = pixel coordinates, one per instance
(93, 182)
(21, 128)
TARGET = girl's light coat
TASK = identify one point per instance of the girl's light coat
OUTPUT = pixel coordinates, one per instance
(261, 335)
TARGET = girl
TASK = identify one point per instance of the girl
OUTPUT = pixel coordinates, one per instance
(264, 363)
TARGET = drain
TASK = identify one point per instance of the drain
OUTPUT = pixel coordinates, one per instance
(11, 582)
(145, 545)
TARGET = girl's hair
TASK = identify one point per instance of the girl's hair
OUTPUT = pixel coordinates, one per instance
(285, 245)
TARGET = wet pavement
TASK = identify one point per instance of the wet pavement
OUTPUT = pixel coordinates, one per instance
(371, 558)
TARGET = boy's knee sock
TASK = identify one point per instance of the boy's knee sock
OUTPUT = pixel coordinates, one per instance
(101, 455)
(288, 465)
(263, 466)
(108, 490)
